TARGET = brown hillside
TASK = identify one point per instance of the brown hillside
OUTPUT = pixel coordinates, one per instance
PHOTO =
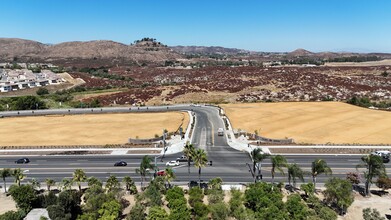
(31, 50)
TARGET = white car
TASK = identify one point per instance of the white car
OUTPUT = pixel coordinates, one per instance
(382, 153)
(172, 163)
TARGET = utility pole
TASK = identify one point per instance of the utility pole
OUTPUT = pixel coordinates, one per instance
(164, 145)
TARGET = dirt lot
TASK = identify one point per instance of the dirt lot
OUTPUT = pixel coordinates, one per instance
(87, 129)
(313, 122)
(7, 203)
(382, 204)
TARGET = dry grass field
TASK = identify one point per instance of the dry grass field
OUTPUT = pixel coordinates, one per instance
(313, 122)
(369, 63)
(87, 129)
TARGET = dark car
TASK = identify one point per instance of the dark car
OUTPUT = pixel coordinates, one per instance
(22, 160)
(193, 183)
(202, 184)
(120, 164)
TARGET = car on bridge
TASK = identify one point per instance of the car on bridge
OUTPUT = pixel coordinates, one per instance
(120, 164)
(22, 160)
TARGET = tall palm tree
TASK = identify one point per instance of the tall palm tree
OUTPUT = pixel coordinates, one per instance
(145, 166)
(170, 175)
(112, 183)
(257, 156)
(128, 182)
(4, 173)
(319, 166)
(188, 151)
(295, 172)
(278, 162)
(79, 176)
(66, 184)
(200, 160)
(375, 167)
(50, 183)
(18, 175)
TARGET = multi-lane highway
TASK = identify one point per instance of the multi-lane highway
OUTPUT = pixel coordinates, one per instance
(228, 163)
(228, 166)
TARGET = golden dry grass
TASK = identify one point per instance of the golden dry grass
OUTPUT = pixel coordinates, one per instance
(313, 122)
(369, 63)
(87, 129)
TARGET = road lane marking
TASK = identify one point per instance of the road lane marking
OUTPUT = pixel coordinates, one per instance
(212, 132)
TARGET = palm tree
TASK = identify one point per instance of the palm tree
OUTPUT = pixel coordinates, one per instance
(375, 167)
(34, 183)
(200, 160)
(66, 184)
(4, 173)
(145, 166)
(188, 151)
(294, 172)
(257, 156)
(215, 183)
(169, 176)
(319, 166)
(93, 181)
(278, 162)
(49, 183)
(18, 175)
(112, 183)
(128, 182)
(79, 176)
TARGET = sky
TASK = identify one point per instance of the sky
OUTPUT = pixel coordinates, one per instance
(257, 25)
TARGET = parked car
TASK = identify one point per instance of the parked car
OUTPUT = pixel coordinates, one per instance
(172, 163)
(22, 160)
(120, 164)
(183, 159)
(161, 173)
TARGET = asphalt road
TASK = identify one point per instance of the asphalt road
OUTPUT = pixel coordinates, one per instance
(228, 163)
(229, 167)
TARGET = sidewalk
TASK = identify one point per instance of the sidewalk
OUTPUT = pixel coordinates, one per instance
(241, 143)
(176, 144)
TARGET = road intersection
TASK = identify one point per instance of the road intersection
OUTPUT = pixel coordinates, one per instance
(228, 163)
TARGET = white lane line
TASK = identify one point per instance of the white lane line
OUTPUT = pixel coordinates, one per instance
(202, 144)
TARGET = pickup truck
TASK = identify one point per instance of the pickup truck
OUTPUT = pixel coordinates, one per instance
(220, 132)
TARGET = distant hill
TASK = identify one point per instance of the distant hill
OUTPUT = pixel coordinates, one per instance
(208, 50)
(146, 50)
(300, 53)
(26, 50)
